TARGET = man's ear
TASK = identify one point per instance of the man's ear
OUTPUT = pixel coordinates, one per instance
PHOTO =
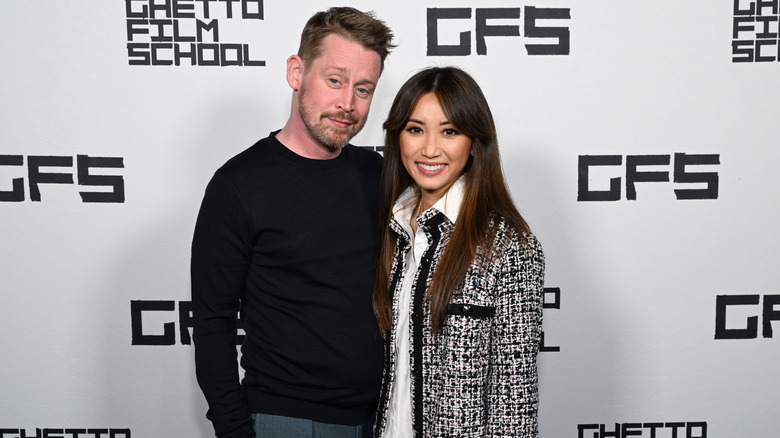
(294, 72)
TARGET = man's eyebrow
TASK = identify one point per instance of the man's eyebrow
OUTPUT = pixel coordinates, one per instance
(344, 70)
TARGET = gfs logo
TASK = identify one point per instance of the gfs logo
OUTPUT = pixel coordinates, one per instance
(450, 24)
(35, 170)
(689, 183)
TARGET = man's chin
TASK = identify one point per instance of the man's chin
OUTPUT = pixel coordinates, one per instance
(332, 143)
(338, 140)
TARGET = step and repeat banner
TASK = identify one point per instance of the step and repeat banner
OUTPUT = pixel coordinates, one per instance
(640, 140)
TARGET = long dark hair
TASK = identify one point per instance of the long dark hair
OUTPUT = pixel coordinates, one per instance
(485, 191)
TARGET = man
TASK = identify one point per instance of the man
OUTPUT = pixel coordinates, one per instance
(286, 235)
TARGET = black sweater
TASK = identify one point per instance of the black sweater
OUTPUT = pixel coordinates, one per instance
(290, 242)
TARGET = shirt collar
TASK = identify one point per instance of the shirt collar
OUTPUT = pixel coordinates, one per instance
(449, 204)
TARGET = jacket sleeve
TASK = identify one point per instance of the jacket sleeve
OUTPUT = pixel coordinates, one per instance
(218, 269)
(513, 391)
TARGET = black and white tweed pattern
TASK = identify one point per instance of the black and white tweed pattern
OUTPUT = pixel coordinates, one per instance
(479, 377)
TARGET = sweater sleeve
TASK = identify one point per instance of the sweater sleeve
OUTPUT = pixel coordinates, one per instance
(220, 259)
(513, 392)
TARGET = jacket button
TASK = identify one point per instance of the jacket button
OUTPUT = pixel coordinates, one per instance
(466, 308)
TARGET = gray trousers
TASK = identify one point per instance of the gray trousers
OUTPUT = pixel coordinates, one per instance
(275, 426)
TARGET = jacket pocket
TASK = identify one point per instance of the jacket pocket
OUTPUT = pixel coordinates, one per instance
(471, 310)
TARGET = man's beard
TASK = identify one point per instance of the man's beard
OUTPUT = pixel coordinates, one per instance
(323, 131)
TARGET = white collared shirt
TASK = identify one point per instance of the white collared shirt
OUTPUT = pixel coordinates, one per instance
(399, 415)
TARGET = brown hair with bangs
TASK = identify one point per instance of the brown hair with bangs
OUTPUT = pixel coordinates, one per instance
(485, 190)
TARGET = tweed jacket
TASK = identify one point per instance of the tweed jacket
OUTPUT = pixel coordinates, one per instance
(478, 378)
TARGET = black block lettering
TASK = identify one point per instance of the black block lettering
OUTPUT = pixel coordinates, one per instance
(770, 314)
(17, 184)
(583, 166)
(433, 17)
(483, 29)
(581, 428)
(560, 33)
(721, 304)
(185, 322)
(256, 13)
(742, 51)
(37, 177)
(136, 319)
(682, 160)
(604, 433)
(633, 176)
(701, 425)
(117, 183)
(139, 54)
(212, 25)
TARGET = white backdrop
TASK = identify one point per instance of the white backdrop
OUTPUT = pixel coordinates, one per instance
(635, 285)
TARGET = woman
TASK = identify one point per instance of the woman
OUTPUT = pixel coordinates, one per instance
(459, 276)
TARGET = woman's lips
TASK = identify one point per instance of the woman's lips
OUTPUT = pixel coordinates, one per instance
(430, 168)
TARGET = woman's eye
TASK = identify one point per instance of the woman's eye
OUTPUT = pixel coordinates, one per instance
(450, 131)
